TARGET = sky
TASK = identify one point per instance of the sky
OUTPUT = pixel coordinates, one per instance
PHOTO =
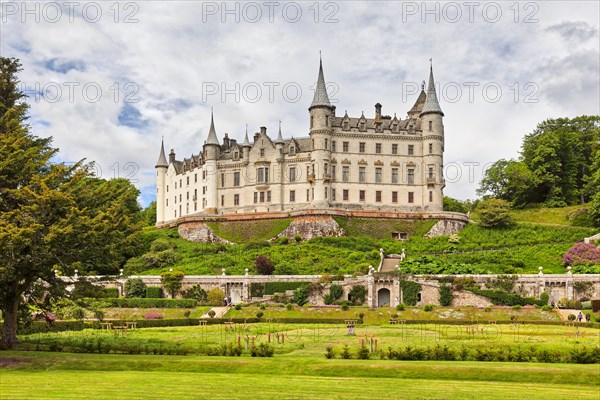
(109, 79)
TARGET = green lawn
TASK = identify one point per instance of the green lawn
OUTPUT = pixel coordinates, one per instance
(92, 376)
(138, 313)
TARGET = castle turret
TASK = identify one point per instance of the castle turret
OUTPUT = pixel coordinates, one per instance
(321, 118)
(161, 172)
(211, 154)
(432, 126)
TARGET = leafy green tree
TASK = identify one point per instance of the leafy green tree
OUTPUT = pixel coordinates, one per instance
(172, 280)
(264, 265)
(149, 214)
(508, 180)
(445, 295)
(54, 218)
(135, 287)
(455, 205)
(494, 213)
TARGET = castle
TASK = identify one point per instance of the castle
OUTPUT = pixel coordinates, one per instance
(380, 163)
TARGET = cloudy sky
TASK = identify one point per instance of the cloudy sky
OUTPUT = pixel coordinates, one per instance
(108, 79)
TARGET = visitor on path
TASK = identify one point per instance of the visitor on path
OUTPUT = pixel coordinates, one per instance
(588, 317)
(225, 301)
(580, 317)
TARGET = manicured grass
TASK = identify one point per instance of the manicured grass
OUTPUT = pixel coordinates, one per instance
(545, 215)
(138, 313)
(247, 231)
(90, 376)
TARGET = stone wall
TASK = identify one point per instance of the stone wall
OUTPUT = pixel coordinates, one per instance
(312, 226)
(445, 227)
(199, 232)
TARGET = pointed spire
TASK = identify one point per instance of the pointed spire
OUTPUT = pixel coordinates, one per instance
(279, 137)
(321, 98)
(431, 102)
(246, 141)
(212, 134)
(162, 160)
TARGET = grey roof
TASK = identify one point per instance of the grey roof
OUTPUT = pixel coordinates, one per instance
(212, 135)
(246, 141)
(418, 107)
(321, 98)
(279, 137)
(162, 160)
(431, 103)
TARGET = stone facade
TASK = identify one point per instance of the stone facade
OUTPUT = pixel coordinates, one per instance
(309, 227)
(199, 232)
(446, 227)
(380, 163)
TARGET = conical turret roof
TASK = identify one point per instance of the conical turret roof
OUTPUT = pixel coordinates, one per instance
(279, 137)
(162, 160)
(212, 134)
(431, 102)
(321, 98)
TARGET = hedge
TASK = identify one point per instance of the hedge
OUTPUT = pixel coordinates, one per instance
(153, 292)
(150, 303)
(500, 298)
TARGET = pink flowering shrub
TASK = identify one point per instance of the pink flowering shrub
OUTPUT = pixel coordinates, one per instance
(152, 315)
(582, 254)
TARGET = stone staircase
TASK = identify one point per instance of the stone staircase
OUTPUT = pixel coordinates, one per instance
(219, 312)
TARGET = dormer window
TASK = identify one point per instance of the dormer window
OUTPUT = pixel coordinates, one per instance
(292, 150)
(395, 128)
(236, 155)
(362, 125)
(346, 125)
(262, 152)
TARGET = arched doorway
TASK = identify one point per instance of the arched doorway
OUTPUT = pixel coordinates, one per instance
(383, 297)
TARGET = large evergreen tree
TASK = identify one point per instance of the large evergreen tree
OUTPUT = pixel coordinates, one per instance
(54, 218)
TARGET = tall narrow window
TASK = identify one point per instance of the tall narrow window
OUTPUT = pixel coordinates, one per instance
(378, 196)
(361, 174)
(292, 174)
(345, 195)
(333, 171)
(332, 194)
(269, 196)
(222, 179)
(236, 178)
(411, 149)
(333, 146)
(326, 144)
(430, 148)
(430, 196)
(345, 173)
(411, 197)
(346, 125)
(411, 176)
(394, 148)
(262, 152)
(394, 197)
(378, 148)
(292, 196)
(255, 197)
(361, 195)
(377, 175)
(361, 147)
(292, 150)
(394, 175)
(430, 173)
(307, 194)
(345, 146)
(222, 200)
(236, 199)
(430, 126)
(327, 120)
(262, 197)
(187, 180)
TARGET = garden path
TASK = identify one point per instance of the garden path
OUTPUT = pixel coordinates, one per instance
(219, 312)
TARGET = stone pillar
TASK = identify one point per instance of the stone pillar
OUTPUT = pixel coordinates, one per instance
(372, 298)
(246, 287)
(569, 286)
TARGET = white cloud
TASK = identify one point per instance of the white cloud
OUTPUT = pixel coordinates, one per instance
(369, 53)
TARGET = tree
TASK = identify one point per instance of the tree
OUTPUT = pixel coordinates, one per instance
(445, 295)
(264, 265)
(455, 205)
(149, 214)
(54, 218)
(494, 213)
(216, 297)
(172, 280)
(508, 180)
(135, 287)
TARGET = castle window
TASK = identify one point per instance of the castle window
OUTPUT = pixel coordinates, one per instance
(262, 152)
(332, 194)
(195, 206)
(175, 185)
(292, 174)
(378, 196)
(236, 199)
(345, 146)
(307, 171)
(222, 179)
(292, 150)
(430, 196)
(175, 211)
(167, 188)
(394, 197)
(180, 199)
(187, 180)
(325, 192)
(203, 190)
(175, 199)
(236, 178)
(326, 168)
(269, 196)
(203, 175)
(263, 174)
(361, 147)
(195, 178)
(187, 195)
(377, 175)
(167, 202)
(311, 121)
(333, 170)
(180, 213)
(236, 155)
(394, 175)
(361, 195)
(262, 197)
(326, 144)
(395, 128)
(430, 173)
(312, 194)
(394, 148)
(362, 174)
(292, 196)
(345, 174)
(313, 144)
(346, 125)
(411, 149)
(345, 195)
(378, 148)
(362, 126)
(411, 197)
(430, 148)
(255, 197)
(180, 184)
(430, 126)
(195, 195)
(222, 200)
(410, 176)
(333, 146)
(307, 195)
(327, 120)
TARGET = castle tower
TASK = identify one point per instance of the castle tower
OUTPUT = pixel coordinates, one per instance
(161, 172)
(211, 154)
(321, 118)
(432, 126)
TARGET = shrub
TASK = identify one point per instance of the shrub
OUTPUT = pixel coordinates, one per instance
(211, 313)
(215, 297)
(99, 315)
(574, 304)
(345, 354)
(394, 316)
(289, 306)
(297, 238)
(494, 213)
(582, 254)
(262, 307)
(400, 307)
(264, 265)
(300, 296)
(547, 308)
(410, 292)
(595, 303)
(283, 240)
(135, 287)
(571, 317)
(161, 245)
(335, 293)
(345, 305)
(152, 315)
(545, 297)
(362, 353)
(428, 307)
(259, 314)
(153, 292)
(187, 313)
(85, 289)
(196, 293)
(78, 313)
(329, 354)
(357, 295)
(146, 303)
(172, 280)
(263, 350)
(445, 295)
(238, 307)
(488, 309)
(516, 307)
